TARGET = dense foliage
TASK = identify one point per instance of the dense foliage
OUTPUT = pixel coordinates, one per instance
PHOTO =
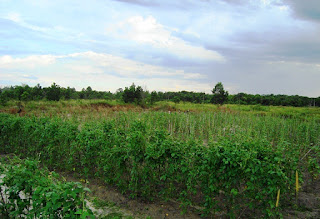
(222, 174)
(220, 96)
(30, 192)
(135, 94)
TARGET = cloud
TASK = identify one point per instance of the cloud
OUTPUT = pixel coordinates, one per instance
(258, 76)
(56, 32)
(183, 44)
(90, 67)
(149, 31)
(164, 4)
(304, 48)
(309, 10)
(29, 62)
(127, 68)
(31, 77)
(17, 18)
(148, 3)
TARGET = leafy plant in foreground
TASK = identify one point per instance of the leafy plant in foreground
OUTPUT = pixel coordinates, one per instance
(30, 192)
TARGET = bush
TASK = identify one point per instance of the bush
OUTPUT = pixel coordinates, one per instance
(27, 191)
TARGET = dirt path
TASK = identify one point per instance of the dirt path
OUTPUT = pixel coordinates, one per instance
(110, 202)
(308, 205)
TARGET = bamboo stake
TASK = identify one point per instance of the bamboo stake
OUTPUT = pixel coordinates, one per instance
(278, 198)
(297, 186)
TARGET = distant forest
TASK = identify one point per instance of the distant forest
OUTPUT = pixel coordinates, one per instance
(137, 95)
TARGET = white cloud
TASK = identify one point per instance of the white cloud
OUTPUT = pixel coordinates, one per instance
(128, 68)
(17, 18)
(99, 70)
(13, 16)
(247, 34)
(33, 61)
(56, 32)
(149, 31)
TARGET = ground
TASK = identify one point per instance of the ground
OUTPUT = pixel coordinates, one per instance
(109, 202)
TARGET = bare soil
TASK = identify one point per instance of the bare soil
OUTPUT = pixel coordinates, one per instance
(307, 205)
(136, 208)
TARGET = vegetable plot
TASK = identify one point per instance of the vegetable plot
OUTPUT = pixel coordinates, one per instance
(222, 175)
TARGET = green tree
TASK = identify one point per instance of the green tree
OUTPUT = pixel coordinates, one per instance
(220, 96)
(176, 99)
(89, 93)
(67, 93)
(25, 96)
(118, 94)
(18, 91)
(37, 92)
(3, 97)
(153, 97)
(108, 95)
(53, 92)
(133, 94)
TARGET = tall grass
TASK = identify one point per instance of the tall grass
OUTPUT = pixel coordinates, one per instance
(203, 122)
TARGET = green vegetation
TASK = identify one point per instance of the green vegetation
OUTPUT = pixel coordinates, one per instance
(30, 192)
(135, 94)
(222, 158)
(220, 96)
(52, 93)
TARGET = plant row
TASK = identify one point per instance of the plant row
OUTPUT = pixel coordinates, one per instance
(221, 176)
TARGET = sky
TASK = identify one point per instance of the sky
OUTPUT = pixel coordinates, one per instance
(251, 46)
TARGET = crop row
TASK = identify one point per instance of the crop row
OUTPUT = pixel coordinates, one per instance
(220, 176)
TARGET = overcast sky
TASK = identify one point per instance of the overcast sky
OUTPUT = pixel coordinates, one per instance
(252, 46)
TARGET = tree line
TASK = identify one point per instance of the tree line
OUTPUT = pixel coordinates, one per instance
(136, 94)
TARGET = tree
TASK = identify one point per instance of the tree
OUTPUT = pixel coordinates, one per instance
(53, 92)
(153, 97)
(37, 92)
(3, 97)
(176, 99)
(108, 95)
(219, 94)
(18, 91)
(118, 94)
(133, 94)
(25, 96)
(89, 93)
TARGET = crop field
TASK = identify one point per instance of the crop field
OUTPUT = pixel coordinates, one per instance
(233, 160)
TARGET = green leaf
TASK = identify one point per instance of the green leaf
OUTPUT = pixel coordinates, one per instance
(234, 191)
(80, 211)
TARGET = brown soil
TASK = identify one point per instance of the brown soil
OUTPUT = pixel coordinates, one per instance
(136, 207)
(164, 108)
(105, 106)
(308, 203)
